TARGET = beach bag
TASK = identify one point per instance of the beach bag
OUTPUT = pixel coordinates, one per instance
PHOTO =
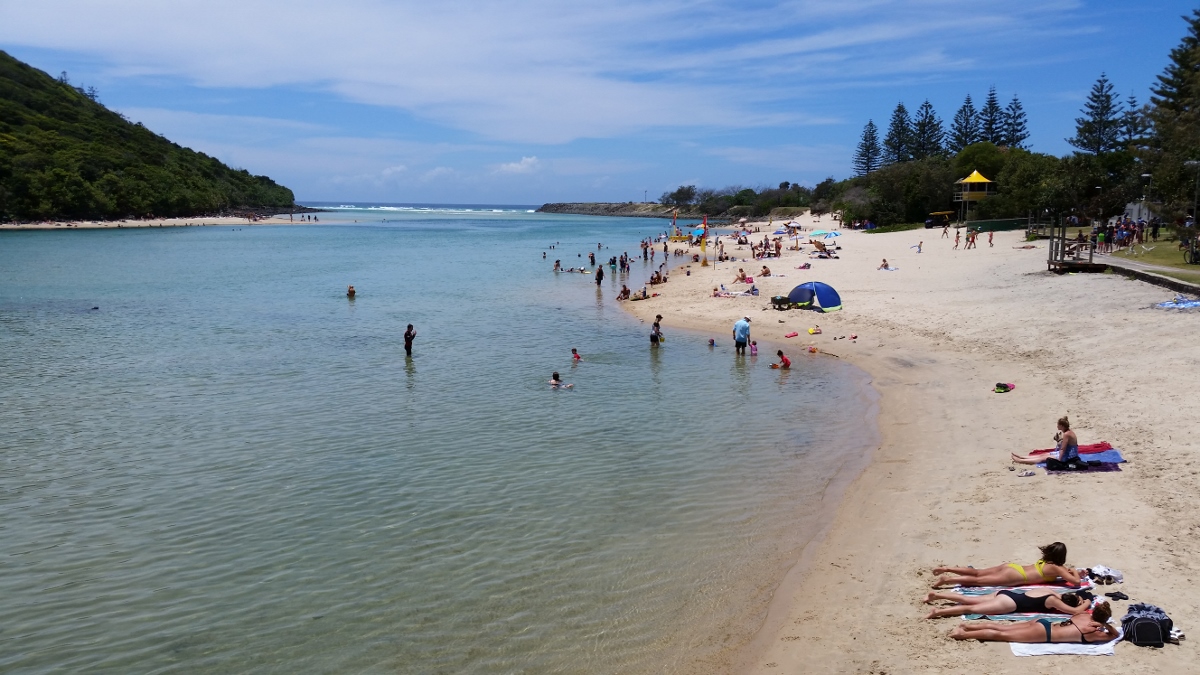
(1146, 625)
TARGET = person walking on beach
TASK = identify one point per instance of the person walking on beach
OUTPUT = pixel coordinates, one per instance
(409, 336)
(741, 335)
(946, 231)
(957, 235)
(990, 234)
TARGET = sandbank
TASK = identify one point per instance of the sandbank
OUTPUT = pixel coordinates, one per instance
(935, 336)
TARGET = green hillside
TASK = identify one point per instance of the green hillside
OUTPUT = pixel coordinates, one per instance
(65, 156)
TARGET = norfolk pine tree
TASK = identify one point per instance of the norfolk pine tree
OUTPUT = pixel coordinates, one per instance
(964, 130)
(869, 155)
(897, 145)
(1015, 130)
(1099, 130)
(928, 135)
(991, 119)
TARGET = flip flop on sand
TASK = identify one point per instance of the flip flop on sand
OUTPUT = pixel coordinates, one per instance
(1024, 474)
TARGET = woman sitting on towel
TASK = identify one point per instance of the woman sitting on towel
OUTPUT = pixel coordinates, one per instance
(1043, 600)
(741, 276)
(1048, 570)
(1067, 447)
(1079, 628)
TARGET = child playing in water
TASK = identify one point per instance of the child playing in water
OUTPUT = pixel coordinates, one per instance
(575, 355)
(784, 362)
(753, 348)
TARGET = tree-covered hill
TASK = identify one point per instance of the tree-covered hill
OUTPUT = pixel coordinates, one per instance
(63, 155)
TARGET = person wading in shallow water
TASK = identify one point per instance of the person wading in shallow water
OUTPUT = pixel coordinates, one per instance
(409, 336)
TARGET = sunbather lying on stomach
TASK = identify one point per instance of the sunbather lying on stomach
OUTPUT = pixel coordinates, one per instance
(1043, 600)
(1079, 628)
(1051, 568)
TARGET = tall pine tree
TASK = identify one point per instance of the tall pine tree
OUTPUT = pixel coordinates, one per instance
(964, 130)
(928, 134)
(1134, 123)
(1178, 91)
(1016, 132)
(991, 119)
(869, 155)
(897, 145)
(1174, 117)
(1099, 130)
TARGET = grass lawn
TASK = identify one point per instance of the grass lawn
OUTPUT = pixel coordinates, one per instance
(900, 227)
(1163, 253)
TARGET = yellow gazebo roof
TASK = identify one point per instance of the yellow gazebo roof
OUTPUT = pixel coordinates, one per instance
(975, 177)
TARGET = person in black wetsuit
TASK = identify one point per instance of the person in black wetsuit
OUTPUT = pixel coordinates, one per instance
(409, 336)
(1043, 600)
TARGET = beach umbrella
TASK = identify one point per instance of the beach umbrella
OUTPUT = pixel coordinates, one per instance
(796, 236)
(779, 232)
(831, 235)
(816, 232)
(742, 220)
(698, 232)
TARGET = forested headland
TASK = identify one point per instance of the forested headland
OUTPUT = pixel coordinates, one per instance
(63, 155)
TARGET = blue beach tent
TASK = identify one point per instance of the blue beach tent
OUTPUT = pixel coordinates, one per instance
(699, 232)
(826, 297)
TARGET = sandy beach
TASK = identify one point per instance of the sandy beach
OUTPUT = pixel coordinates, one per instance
(935, 336)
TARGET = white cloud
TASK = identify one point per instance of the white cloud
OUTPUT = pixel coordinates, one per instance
(538, 70)
(526, 165)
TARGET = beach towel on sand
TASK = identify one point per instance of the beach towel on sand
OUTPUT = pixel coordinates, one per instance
(1050, 648)
(1015, 616)
(1088, 449)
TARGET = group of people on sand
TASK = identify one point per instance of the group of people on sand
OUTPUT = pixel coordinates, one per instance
(1084, 619)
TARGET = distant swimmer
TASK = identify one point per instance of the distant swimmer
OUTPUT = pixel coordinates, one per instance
(409, 336)
(350, 292)
(556, 382)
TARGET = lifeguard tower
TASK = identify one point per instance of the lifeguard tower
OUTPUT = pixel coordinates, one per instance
(972, 189)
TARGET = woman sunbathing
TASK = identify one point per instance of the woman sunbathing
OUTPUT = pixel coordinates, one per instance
(1067, 447)
(1007, 602)
(1079, 628)
(1048, 570)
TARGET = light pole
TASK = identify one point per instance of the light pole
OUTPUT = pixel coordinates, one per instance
(1194, 164)
(1146, 197)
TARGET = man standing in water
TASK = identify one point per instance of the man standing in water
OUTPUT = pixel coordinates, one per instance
(741, 335)
(599, 274)
(409, 335)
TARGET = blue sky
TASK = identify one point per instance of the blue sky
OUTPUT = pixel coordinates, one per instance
(531, 101)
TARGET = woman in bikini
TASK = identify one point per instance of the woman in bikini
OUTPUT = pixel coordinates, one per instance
(1042, 600)
(1048, 570)
(1067, 446)
(1079, 628)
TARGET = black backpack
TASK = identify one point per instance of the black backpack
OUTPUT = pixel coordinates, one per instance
(1146, 625)
(1145, 632)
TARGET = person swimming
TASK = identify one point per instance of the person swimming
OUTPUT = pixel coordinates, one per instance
(556, 382)
(350, 292)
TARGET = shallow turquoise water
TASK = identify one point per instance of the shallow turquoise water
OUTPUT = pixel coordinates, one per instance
(229, 466)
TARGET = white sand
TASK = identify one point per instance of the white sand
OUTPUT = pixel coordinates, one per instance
(936, 336)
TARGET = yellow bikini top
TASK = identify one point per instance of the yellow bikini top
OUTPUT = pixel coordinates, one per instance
(1038, 566)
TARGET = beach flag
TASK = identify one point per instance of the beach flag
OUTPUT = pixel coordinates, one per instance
(703, 242)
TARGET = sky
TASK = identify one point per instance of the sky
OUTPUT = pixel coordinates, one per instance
(533, 101)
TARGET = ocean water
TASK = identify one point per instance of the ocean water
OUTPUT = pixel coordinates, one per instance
(228, 466)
